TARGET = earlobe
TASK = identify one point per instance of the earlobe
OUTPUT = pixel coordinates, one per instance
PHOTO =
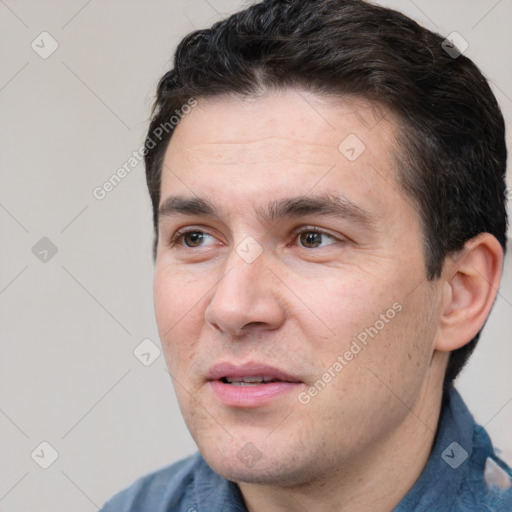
(471, 284)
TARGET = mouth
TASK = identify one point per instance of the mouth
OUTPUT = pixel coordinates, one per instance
(248, 381)
(249, 385)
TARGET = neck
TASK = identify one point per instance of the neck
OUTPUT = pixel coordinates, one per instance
(377, 480)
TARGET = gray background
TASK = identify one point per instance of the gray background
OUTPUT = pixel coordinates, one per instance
(69, 325)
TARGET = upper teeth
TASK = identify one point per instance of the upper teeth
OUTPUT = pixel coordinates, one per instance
(249, 380)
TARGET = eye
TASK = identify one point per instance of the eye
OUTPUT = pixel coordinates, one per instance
(310, 238)
(314, 238)
(192, 239)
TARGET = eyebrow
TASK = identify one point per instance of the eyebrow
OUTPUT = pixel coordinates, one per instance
(298, 206)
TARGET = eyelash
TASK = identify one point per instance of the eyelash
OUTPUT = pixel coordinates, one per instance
(177, 238)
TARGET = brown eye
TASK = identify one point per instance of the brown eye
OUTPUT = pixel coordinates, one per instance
(310, 239)
(193, 238)
(314, 239)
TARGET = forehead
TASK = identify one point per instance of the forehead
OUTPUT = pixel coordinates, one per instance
(283, 144)
(290, 115)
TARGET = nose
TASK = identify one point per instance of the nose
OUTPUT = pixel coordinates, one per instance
(246, 299)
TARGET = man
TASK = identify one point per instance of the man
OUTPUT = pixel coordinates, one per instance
(327, 180)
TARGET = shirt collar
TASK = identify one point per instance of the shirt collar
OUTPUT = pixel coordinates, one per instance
(442, 477)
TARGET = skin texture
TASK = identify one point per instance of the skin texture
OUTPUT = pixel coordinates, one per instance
(363, 439)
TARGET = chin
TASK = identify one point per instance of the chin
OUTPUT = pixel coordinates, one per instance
(264, 473)
(246, 465)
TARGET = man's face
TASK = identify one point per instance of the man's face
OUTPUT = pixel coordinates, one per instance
(309, 271)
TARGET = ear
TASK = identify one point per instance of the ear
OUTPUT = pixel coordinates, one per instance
(471, 282)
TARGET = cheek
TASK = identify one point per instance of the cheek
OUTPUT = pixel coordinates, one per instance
(397, 353)
(178, 314)
(175, 294)
(167, 308)
(373, 325)
(342, 307)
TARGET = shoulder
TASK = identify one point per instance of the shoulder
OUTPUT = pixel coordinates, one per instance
(463, 473)
(169, 488)
(486, 483)
(488, 480)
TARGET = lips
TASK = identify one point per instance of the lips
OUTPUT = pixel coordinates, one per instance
(249, 373)
(249, 385)
(248, 381)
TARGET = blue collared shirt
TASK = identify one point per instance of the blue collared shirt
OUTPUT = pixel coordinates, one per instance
(453, 479)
